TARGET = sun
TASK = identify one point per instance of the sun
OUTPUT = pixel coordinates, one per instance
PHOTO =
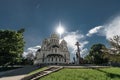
(60, 29)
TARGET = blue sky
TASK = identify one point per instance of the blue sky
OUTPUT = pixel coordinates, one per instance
(40, 18)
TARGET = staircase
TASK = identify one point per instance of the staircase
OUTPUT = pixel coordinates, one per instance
(40, 74)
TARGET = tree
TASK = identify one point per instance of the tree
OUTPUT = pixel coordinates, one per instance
(115, 44)
(113, 53)
(11, 46)
(96, 55)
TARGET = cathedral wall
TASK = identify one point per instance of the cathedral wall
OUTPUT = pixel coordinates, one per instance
(53, 52)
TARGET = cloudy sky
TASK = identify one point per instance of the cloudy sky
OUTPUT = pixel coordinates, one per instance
(86, 21)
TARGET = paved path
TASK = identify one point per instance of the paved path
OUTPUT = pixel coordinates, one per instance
(16, 74)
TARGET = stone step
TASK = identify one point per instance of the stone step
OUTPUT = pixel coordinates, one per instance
(40, 74)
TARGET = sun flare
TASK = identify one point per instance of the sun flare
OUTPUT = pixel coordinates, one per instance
(60, 29)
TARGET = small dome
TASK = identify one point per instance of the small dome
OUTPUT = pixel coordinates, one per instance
(54, 35)
(63, 42)
(45, 41)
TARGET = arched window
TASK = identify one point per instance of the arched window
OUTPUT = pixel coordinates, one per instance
(48, 58)
(52, 59)
(65, 57)
(52, 50)
(59, 58)
(56, 58)
(43, 57)
(56, 50)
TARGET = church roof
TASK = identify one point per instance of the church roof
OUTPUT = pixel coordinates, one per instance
(54, 35)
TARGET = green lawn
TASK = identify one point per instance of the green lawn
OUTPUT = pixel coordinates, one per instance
(85, 74)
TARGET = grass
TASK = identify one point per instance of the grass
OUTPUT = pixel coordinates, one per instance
(38, 70)
(85, 74)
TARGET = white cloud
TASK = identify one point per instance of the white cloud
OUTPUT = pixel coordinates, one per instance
(31, 50)
(108, 30)
(84, 52)
(94, 30)
(112, 28)
(72, 37)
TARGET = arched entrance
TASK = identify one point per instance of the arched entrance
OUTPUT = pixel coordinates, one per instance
(55, 59)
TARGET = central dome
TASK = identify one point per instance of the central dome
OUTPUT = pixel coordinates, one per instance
(54, 35)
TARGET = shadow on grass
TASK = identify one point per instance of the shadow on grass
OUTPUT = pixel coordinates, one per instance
(111, 75)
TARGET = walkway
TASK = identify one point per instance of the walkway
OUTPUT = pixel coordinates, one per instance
(16, 74)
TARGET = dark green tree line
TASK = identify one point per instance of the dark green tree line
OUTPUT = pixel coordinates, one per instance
(11, 46)
(96, 55)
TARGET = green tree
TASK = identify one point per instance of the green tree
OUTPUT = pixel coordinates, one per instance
(115, 44)
(11, 46)
(96, 55)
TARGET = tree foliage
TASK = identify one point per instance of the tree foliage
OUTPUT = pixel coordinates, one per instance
(11, 46)
(115, 44)
(96, 55)
(114, 52)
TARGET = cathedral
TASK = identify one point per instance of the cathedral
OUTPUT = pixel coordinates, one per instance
(53, 51)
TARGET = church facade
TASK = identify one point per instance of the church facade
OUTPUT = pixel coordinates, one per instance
(53, 51)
